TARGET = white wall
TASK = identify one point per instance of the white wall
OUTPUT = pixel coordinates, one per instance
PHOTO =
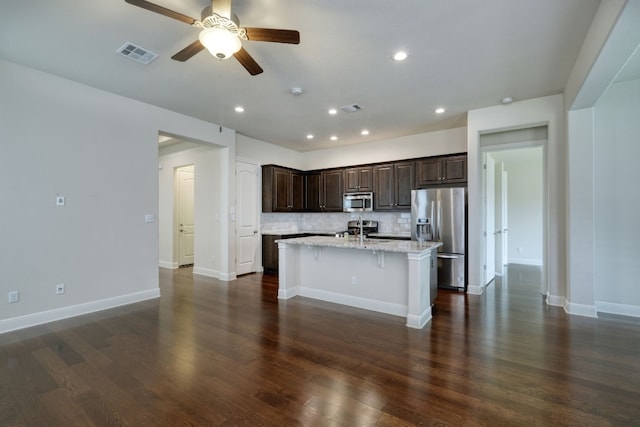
(407, 147)
(534, 112)
(205, 159)
(617, 199)
(100, 151)
(525, 204)
(263, 153)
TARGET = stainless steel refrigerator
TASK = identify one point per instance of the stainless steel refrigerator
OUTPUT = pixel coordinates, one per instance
(440, 215)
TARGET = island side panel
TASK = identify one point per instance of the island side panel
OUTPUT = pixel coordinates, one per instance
(328, 273)
(419, 301)
(288, 270)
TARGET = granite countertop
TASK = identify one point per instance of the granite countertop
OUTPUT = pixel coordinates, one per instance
(387, 245)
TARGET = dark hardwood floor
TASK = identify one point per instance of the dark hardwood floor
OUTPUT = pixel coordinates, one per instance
(229, 353)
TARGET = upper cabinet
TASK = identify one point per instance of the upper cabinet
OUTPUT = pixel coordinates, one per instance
(392, 185)
(283, 189)
(358, 179)
(324, 191)
(441, 170)
(290, 190)
(332, 185)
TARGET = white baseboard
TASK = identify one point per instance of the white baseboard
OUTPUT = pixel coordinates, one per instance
(34, 319)
(580, 309)
(556, 300)
(353, 301)
(620, 309)
(168, 264)
(287, 293)
(475, 290)
(418, 322)
(526, 261)
(209, 272)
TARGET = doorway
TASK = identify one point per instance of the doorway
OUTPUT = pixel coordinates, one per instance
(514, 208)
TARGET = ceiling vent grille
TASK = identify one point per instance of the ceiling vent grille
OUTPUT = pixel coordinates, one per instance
(351, 108)
(137, 53)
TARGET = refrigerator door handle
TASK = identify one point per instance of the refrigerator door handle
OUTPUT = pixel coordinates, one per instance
(439, 238)
(450, 256)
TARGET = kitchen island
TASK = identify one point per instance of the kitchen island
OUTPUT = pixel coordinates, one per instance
(389, 276)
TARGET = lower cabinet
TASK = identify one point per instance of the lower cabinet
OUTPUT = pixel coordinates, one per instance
(270, 250)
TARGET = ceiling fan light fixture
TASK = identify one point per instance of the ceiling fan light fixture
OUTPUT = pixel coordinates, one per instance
(219, 42)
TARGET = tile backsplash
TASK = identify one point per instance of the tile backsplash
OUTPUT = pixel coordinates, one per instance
(388, 222)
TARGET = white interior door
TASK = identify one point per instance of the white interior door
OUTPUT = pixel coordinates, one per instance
(490, 217)
(505, 218)
(247, 211)
(498, 257)
(184, 217)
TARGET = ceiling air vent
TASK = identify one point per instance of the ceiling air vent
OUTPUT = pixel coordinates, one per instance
(137, 53)
(351, 108)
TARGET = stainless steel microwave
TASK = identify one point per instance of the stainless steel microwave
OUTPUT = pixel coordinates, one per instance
(357, 202)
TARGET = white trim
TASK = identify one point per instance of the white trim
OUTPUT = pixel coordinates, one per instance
(287, 293)
(556, 300)
(209, 272)
(359, 302)
(580, 309)
(168, 264)
(620, 309)
(475, 290)
(418, 322)
(526, 261)
(34, 319)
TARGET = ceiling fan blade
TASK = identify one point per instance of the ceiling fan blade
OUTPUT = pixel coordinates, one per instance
(188, 51)
(247, 62)
(271, 35)
(162, 11)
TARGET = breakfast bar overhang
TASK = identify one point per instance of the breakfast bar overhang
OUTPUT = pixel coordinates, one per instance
(389, 276)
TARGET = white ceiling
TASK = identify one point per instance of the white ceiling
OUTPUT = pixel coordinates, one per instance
(463, 55)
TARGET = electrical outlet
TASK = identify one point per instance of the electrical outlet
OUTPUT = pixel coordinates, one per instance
(59, 201)
(14, 296)
(60, 289)
(354, 280)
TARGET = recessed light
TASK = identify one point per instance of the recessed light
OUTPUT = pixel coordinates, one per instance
(309, 136)
(239, 109)
(333, 111)
(334, 138)
(440, 110)
(364, 132)
(400, 56)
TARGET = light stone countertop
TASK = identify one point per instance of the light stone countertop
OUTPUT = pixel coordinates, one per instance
(387, 245)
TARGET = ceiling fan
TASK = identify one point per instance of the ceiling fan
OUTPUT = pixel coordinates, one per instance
(221, 33)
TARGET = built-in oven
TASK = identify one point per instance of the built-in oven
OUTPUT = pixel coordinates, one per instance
(357, 202)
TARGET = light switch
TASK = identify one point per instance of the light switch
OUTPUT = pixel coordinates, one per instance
(148, 218)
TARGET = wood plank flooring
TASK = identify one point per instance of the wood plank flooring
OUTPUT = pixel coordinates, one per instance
(229, 353)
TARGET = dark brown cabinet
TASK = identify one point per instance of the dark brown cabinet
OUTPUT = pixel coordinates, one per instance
(441, 170)
(392, 185)
(358, 179)
(332, 185)
(270, 257)
(282, 189)
(324, 191)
